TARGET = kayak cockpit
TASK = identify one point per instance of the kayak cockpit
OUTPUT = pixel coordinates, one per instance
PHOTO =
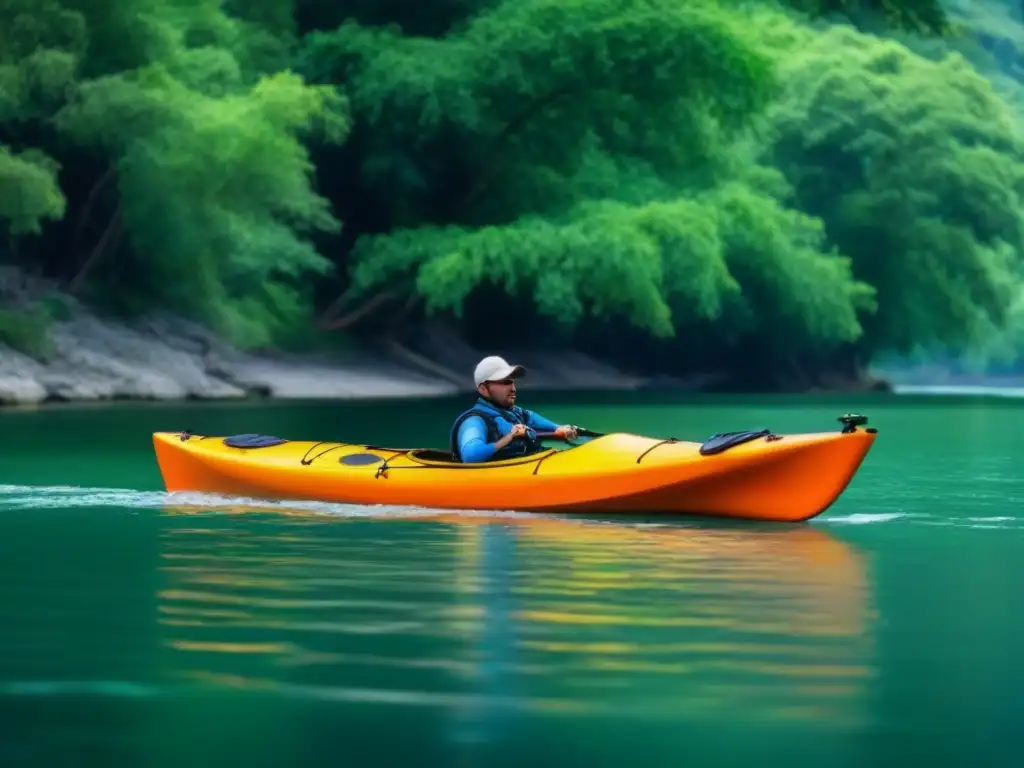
(436, 458)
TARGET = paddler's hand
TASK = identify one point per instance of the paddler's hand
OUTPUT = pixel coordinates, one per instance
(518, 431)
(567, 432)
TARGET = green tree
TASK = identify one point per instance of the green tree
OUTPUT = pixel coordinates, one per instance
(207, 178)
(587, 160)
(40, 43)
(916, 168)
(924, 16)
(754, 179)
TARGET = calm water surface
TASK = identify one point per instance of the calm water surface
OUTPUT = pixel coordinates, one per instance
(138, 628)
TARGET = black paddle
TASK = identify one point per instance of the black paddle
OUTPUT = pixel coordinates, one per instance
(580, 432)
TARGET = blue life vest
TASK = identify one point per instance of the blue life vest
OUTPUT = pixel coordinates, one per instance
(491, 414)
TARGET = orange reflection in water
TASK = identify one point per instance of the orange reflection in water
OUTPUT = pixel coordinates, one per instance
(572, 615)
(713, 620)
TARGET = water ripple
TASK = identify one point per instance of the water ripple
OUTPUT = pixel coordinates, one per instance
(584, 617)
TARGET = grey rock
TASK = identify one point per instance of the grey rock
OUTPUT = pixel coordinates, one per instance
(19, 379)
(164, 357)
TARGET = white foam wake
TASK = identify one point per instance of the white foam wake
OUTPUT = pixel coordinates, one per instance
(73, 497)
(863, 518)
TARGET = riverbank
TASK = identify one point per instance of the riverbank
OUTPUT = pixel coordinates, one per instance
(161, 357)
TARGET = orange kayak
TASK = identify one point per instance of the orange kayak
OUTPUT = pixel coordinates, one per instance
(755, 475)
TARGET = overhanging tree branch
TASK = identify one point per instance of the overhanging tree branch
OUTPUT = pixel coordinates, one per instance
(351, 318)
(495, 162)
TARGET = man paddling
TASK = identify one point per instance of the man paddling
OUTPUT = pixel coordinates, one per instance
(495, 428)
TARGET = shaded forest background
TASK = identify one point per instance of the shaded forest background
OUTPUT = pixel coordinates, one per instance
(782, 190)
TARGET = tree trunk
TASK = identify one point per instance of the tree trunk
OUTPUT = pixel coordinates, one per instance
(90, 201)
(351, 318)
(112, 234)
(417, 360)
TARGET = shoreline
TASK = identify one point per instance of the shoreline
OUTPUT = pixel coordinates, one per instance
(164, 358)
(88, 359)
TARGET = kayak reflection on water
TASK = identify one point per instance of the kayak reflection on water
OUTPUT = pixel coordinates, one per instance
(499, 624)
(495, 428)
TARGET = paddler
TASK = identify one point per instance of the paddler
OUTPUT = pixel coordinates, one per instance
(495, 428)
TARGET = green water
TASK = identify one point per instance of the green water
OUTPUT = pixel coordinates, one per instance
(141, 629)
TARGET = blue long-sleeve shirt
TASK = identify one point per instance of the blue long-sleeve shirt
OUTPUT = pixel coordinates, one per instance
(472, 436)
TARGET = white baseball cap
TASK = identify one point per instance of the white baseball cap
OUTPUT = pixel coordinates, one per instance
(496, 368)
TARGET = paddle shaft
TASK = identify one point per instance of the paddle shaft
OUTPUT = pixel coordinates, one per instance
(579, 433)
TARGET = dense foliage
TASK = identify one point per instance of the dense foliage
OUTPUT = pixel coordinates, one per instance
(769, 187)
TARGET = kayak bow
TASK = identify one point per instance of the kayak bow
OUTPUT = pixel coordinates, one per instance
(753, 475)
